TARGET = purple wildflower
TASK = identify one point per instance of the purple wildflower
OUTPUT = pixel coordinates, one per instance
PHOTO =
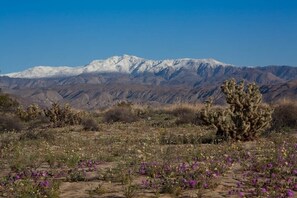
(263, 190)
(192, 183)
(205, 185)
(254, 181)
(44, 184)
(269, 166)
(241, 194)
(290, 193)
(145, 183)
(182, 167)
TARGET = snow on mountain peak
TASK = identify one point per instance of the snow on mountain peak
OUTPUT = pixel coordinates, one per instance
(123, 64)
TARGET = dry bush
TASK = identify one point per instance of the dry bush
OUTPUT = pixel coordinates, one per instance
(90, 124)
(10, 123)
(284, 116)
(120, 114)
(186, 115)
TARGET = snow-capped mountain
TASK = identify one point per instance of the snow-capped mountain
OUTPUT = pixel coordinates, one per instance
(123, 64)
(103, 83)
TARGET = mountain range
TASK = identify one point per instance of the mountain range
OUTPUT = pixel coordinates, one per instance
(129, 78)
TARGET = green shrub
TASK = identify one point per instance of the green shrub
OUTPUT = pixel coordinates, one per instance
(120, 114)
(245, 118)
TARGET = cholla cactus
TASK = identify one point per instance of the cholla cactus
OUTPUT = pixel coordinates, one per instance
(31, 113)
(61, 116)
(245, 118)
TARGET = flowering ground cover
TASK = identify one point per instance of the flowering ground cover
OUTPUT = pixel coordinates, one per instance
(147, 158)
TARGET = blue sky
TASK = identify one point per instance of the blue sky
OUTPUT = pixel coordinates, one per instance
(74, 32)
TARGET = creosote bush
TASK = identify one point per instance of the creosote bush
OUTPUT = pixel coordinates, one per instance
(245, 118)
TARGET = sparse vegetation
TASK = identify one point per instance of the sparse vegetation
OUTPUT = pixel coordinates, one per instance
(151, 155)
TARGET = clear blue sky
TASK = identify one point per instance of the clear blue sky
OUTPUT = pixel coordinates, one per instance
(74, 32)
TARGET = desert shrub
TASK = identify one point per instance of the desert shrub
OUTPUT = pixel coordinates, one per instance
(32, 112)
(245, 118)
(284, 116)
(184, 115)
(90, 124)
(10, 122)
(63, 115)
(180, 111)
(120, 114)
(7, 104)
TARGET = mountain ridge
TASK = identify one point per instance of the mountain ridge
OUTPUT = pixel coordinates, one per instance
(167, 81)
(123, 64)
